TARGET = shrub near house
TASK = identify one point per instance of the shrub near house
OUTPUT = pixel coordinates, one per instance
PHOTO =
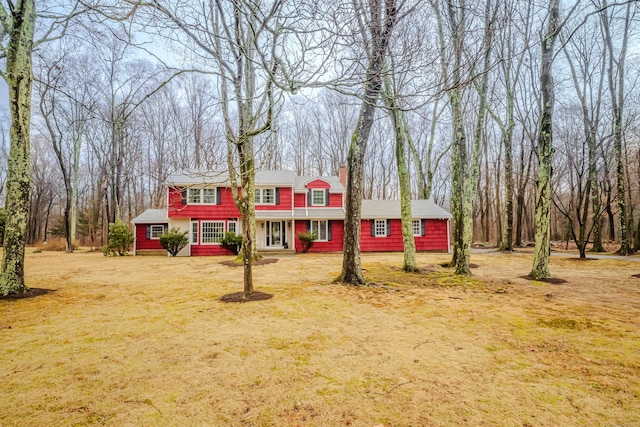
(287, 206)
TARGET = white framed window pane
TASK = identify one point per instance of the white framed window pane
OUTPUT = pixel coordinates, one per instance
(268, 196)
(417, 227)
(320, 228)
(209, 195)
(232, 227)
(194, 195)
(156, 231)
(258, 196)
(194, 232)
(381, 227)
(317, 197)
(212, 231)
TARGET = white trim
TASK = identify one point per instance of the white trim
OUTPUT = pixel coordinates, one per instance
(324, 196)
(201, 234)
(191, 242)
(258, 201)
(326, 229)
(414, 228)
(151, 231)
(375, 228)
(201, 190)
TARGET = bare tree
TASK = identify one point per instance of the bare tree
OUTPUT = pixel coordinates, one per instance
(376, 22)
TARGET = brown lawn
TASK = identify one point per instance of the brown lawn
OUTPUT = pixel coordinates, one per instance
(146, 341)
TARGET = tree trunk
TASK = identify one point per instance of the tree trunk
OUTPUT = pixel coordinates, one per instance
(617, 106)
(401, 132)
(19, 77)
(380, 30)
(540, 268)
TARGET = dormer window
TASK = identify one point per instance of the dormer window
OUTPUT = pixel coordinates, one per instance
(318, 197)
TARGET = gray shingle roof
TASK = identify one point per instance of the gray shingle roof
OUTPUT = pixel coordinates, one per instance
(263, 178)
(387, 209)
(319, 213)
(151, 216)
(334, 182)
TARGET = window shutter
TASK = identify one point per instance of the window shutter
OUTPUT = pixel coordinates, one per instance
(309, 197)
(277, 196)
(326, 197)
(148, 232)
(329, 235)
(218, 195)
(184, 196)
(388, 227)
(308, 226)
(373, 228)
(423, 227)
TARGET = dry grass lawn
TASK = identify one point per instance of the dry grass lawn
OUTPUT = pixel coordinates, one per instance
(146, 341)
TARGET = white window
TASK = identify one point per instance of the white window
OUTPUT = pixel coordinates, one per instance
(265, 196)
(212, 232)
(194, 195)
(417, 227)
(232, 227)
(209, 196)
(380, 227)
(194, 233)
(202, 196)
(321, 229)
(318, 197)
(156, 231)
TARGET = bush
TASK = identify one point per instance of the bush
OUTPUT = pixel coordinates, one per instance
(174, 240)
(120, 239)
(232, 241)
(307, 238)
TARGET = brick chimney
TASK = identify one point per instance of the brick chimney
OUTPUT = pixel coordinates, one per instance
(342, 175)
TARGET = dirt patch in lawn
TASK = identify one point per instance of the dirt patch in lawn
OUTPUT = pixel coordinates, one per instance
(239, 297)
(263, 261)
(550, 280)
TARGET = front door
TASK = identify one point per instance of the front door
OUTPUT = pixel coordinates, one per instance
(274, 233)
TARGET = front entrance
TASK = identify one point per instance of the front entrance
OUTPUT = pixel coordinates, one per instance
(276, 234)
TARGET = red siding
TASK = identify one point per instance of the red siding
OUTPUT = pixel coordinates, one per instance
(141, 238)
(334, 245)
(434, 240)
(226, 208)
(204, 250)
(335, 200)
(318, 183)
(285, 201)
(300, 200)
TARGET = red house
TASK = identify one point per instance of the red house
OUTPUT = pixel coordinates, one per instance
(286, 205)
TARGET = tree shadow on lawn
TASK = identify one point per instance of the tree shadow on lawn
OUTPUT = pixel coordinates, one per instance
(31, 293)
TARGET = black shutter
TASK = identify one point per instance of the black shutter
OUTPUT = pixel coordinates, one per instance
(308, 226)
(219, 195)
(309, 197)
(373, 228)
(148, 232)
(277, 196)
(326, 197)
(388, 227)
(329, 235)
(423, 227)
(184, 196)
